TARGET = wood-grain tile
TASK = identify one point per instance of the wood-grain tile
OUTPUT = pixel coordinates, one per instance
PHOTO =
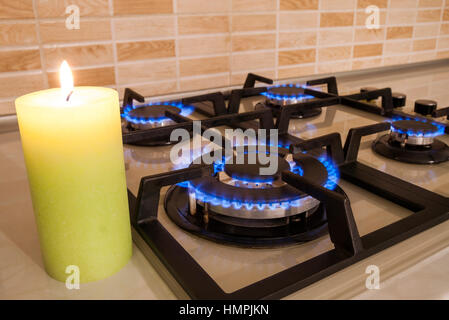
(201, 66)
(334, 53)
(430, 3)
(146, 71)
(201, 6)
(12, 34)
(7, 107)
(428, 15)
(297, 39)
(401, 17)
(150, 89)
(253, 42)
(299, 4)
(425, 44)
(366, 63)
(399, 32)
(104, 76)
(78, 56)
(336, 19)
(19, 60)
(143, 50)
(368, 50)
(443, 43)
(403, 3)
(17, 85)
(362, 4)
(204, 45)
(253, 5)
(337, 4)
(369, 35)
(253, 61)
(56, 32)
(446, 15)
(296, 71)
(215, 81)
(238, 78)
(444, 30)
(298, 20)
(202, 24)
(138, 28)
(427, 30)
(16, 9)
(336, 66)
(254, 22)
(394, 47)
(57, 8)
(124, 7)
(335, 36)
(290, 57)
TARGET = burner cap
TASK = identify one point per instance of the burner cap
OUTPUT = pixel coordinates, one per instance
(150, 116)
(412, 127)
(413, 132)
(286, 91)
(152, 112)
(311, 168)
(251, 172)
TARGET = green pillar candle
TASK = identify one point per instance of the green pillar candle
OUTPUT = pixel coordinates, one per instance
(74, 157)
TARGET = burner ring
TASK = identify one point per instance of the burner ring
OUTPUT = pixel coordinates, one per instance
(412, 132)
(272, 199)
(153, 115)
(286, 94)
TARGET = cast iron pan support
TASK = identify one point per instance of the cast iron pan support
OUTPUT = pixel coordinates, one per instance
(217, 99)
(331, 83)
(341, 223)
(387, 106)
(342, 227)
(129, 96)
(354, 138)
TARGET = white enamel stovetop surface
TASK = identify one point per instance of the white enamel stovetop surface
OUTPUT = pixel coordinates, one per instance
(411, 269)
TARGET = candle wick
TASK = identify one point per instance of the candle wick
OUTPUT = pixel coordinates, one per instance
(68, 97)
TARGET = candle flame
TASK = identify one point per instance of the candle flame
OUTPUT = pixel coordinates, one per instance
(66, 79)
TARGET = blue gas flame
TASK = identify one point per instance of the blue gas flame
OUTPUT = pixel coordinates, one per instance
(295, 97)
(205, 196)
(185, 111)
(418, 133)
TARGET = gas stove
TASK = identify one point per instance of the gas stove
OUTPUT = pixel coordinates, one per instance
(223, 231)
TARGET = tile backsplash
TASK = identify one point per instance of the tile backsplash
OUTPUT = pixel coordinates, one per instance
(165, 46)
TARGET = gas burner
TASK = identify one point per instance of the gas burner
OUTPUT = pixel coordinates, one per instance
(142, 117)
(240, 206)
(287, 94)
(413, 141)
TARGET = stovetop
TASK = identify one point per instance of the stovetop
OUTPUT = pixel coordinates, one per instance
(233, 267)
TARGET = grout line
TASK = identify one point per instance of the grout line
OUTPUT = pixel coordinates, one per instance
(39, 40)
(114, 43)
(276, 56)
(231, 41)
(177, 55)
(317, 35)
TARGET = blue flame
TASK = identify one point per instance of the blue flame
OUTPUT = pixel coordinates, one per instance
(418, 133)
(294, 97)
(185, 111)
(204, 196)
